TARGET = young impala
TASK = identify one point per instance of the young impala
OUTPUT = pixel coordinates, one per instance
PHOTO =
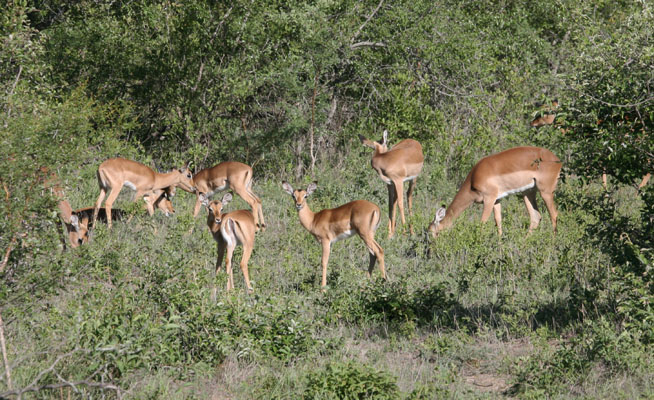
(403, 162)
(116, 172)
(230, 230)
(78, 222)
(518, 170)
(226, 175)
(359, 217)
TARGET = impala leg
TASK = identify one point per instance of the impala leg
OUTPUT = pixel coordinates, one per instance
(376, 254)
(392, 201)
(98, 203)
(259, 210)
(548, 197)
(326, 249)
(489, 202)
(221, 252)
(409, 199)
(604, 179)
(247, 252)
(109, 203)
(228, 267)
(149, 204)
(252, 202)
(532, 208)
(198, 204)
(399, 192)
(497, 213)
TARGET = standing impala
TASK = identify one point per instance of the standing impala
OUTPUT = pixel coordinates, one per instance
(331, 225)
(548, 119)
(116, 172)
(229, 174)
(517, 170)
(230, 230)
(403, 162)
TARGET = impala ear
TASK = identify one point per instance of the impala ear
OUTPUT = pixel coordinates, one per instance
(226, 198)
(287, 188)
(385, 137)
(440, 214)
(311, 188)
(203, 199)
(74, 221)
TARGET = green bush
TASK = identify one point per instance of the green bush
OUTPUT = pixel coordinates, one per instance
(348, 381)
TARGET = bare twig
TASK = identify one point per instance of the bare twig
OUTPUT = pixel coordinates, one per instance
(355, 46)
(358, 32)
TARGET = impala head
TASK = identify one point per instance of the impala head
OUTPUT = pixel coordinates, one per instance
(300, 196)
(215, 208)
(166, 202)
(186, 179)
(380, 146)
(435, 227)
(78, 231)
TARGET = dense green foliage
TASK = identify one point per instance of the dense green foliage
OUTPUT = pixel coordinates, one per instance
(286, 87)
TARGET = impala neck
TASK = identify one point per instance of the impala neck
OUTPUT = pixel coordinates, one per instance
(306, 217)
(462, 200)
(162, 180)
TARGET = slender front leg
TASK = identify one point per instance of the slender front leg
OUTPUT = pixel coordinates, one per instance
(98, 203)
(198, 204)
(326, 249)
(110, 201)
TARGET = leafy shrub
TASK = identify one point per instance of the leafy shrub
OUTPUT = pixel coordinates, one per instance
(350, 380)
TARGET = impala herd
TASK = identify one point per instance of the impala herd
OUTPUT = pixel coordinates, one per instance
(520, 170)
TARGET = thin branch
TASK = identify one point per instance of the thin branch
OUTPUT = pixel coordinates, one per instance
(358, 32)
(355, 46)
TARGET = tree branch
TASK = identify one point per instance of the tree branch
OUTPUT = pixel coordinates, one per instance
(355, 46)
(358, 32)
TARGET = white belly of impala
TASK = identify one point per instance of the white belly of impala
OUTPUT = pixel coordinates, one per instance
(343, 235)
(517, 190)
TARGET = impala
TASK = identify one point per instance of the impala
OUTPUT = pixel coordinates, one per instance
(228, 174)
(548, 119)
(331, 225)
(230, 230)
(518, 170)
(403, 162)
(116, 172)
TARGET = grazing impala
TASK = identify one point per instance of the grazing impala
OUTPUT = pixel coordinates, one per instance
(230, 230)
(229, 174)
(403, 162)
(331, 225)
(116, 172)
(517, 170)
